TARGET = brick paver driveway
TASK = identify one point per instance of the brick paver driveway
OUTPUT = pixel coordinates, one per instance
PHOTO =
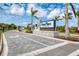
(20, 43)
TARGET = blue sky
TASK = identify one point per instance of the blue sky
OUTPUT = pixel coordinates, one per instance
(19, 13)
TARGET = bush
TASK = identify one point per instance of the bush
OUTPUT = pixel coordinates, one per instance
(6, 27)
(73, 30)
(28, 29)
(61, 29)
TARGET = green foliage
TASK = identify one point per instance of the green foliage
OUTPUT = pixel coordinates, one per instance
(12, 26)
(6, 27)
(73, 30)
(61, 29)
(77, 13)
(28, 29)
(33, 11)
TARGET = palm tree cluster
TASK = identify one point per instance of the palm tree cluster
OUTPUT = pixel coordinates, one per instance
(67, 16)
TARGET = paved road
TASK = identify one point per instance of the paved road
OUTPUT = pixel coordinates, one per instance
(20, 43)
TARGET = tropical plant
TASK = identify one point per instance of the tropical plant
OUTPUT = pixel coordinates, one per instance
(60, 29)
(54, 16)
(73, 30)
(6, 27)
(33, 12)
(73, 9)
(77, 13)
(54, 22)
(28, 29)
(67, 17)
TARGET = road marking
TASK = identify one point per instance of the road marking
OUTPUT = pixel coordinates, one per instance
(14, 36)
(75, 53)
(36, 41)
(36, 52)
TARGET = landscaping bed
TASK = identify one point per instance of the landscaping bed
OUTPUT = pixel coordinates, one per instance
(70, 38)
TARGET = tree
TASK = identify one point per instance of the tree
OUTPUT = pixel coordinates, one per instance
(54, 16)
(54, 22)
(33, 12)
(12, 27)
(73, 9)
(77, 13)
(67, 17)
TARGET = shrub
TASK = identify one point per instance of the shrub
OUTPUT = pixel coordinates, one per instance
(28, 29)
(61, 29)
(73, 30)
(6, 27)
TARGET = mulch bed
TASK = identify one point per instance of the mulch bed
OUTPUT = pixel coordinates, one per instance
(70, 38)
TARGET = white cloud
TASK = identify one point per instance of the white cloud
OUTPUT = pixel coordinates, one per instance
(24, 23)
(54, 13)
(41, 13)
(57, 12)
(16, 9)
(31, 5)
(29, 8)
(76, 5)
(61, 16)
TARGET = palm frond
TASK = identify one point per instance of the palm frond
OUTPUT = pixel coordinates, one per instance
(77, 13)
(33, 12)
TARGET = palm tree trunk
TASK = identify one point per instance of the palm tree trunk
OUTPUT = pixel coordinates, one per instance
(78, 24)
(54, 25)
(66, 22)
(31, 23)
(73, 9)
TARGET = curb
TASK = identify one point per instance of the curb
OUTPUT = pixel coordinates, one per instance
(4, 51)
(1, 44)
(57, 39)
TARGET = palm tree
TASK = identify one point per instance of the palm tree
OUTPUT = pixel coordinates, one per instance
(37, 23)
(66, 22)
(77, 13)
(54, 22)
(73, 9)
(54, 16)
(67, 17)
(33, 12)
